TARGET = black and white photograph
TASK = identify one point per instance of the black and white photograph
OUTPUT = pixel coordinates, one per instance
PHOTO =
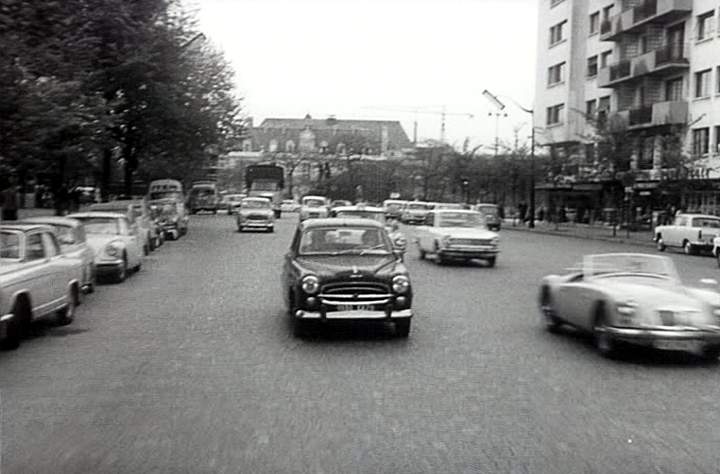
(360, 236)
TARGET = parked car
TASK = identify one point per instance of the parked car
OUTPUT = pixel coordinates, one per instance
(256, 213)
(231, 202)
(345, 269)
(633, 298)
(204, 196)
(448, 205)
(313, 207)
(414, 212)
(116, 242)
(288, 205)
(36, 280)
(171, 217)
(377, 214)
(340, 203)
(393, 208)
(457, 235)
(70, 235)
(491, 213)
(136, 212)
(693, 233)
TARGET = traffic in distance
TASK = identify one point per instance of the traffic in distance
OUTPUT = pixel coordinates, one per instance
(346, 262)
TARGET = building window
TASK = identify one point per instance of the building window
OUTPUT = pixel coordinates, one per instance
(605, 59)
(645, 153)
(603, 109)
(555, 2)
(700, 141)
(704, 25)
(592, 66)
(590, 108)
(556, 33)
(247, 145)
(554, 114)
(607, 12)
(674, 89)
(702, 83)
(594, 23)
(290, 146)
(717, 80)
(273, 146)
(717, 139)
(556, 74)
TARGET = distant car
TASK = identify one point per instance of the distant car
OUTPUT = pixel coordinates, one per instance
(377, 214)
(633, 298)
(448, 205)
(255, 213)
(203, 196)
(414, 212)
(115, 241)
(70, 235)
(491, 212)
(693, 233)
(393, 208)
(288, 205)
(231, 202)
(170, 215)
(137, 212)
(313, 207)
(457, 235)
(340, 203)
(36, 280)
(345, 269)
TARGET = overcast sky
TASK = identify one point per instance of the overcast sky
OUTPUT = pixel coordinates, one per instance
(352, 58)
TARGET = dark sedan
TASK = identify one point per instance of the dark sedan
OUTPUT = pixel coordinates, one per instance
(345, 269)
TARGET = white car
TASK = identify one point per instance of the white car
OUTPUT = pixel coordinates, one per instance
(288, 205)
(633, 298)
(117, 245)
(457, 235)
(314, 207)
(255, 213)
(691, 232)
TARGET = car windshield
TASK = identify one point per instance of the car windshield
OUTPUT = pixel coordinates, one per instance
(313, 202)
(641, 264)
(376, 216)
(233, 198)
(706, 222)
(9, 245)
(165, 195)
(100, 225)
(344, 240)
(417, 207)
(488, 210)
(256, 204)
(460, 219)
(65, 235)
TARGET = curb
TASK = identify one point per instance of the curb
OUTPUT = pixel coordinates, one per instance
(615, 240)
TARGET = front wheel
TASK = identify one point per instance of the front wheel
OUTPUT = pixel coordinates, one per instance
(552, 323)
(660, 243)
(688, 248)
(121, 274)
(491, 261)
(402, 327)
(604, 342)
(66, 315)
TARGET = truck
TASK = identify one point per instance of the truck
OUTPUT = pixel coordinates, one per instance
(266, 180)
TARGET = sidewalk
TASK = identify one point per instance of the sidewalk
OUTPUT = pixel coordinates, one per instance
(584, 231)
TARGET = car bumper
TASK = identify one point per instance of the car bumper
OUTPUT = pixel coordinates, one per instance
(108, 267)
(256, 224)
(702, 245)
(357, 315)
(468, 253)
(664, 338)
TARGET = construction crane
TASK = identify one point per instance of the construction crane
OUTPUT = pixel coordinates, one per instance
(432, 110)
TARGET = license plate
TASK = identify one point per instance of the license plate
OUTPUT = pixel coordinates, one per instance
(355, 307)
(677, 345)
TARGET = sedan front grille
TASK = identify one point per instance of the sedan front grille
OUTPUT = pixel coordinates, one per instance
(355, 288)
(470, 242)
(257, 218)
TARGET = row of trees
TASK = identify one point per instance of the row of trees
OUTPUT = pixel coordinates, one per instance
(93, 86)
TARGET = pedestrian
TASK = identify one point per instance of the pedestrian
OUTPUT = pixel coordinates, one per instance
(9, 202)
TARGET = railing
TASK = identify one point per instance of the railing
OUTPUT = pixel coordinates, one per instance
(641, 115)
(620, 70)
(644, 11)
(605, 27)
(670, 53)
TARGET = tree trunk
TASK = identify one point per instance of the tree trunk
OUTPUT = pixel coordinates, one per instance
(106, 175)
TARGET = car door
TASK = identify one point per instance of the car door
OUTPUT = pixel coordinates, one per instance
(60, 269)
(573, 300)
(133, 241)
(674, 231)
(38, 265)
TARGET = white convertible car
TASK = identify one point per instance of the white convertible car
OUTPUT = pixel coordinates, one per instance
(634, 298)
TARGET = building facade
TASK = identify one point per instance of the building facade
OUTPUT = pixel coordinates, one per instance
(652, 65)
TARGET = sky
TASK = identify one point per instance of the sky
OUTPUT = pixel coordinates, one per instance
(382, 59)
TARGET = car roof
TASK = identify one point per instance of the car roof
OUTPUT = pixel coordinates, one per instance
(340, 222)
(21, 227)
(314, 196)
(359, 208)
(105, 215)
(53, 220)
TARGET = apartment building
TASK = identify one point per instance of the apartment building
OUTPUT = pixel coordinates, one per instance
(654, 65)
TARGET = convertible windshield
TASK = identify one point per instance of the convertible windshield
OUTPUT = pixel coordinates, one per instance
(256, 204)
(9, 245)
(100, 225)
(344, 240)
(313, 202)
(608, 264)
(460, 219)
(376, 216)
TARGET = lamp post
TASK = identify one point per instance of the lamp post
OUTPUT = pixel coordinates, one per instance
(496, 102)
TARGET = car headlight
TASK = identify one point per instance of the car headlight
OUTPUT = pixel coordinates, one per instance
(626, 312)
(495, 241)
(310, 284)
(400, 284)
(445, 241)
(400, 242)
(112, 250)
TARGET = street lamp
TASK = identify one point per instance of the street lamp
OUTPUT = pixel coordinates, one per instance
(496, 102)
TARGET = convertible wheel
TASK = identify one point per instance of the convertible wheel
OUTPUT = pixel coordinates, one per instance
(660, 243)
(66, 315)
(688, 248)
(552, 323)
(604, 343)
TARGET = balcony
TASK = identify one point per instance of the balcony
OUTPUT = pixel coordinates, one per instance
(634, 19)
(656, 115)
(668, 59)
